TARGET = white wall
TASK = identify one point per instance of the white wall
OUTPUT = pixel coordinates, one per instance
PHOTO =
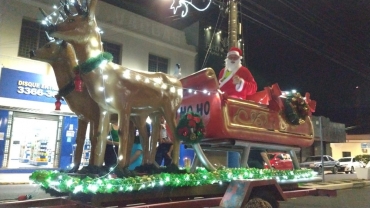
(354, 144)
(138, 36)
(12, 13)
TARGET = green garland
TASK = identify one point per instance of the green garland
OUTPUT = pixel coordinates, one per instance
(93, 63)
(190, 128)
(65, 183)
(295, 109)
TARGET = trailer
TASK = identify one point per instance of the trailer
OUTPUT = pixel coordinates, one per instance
(259, 122)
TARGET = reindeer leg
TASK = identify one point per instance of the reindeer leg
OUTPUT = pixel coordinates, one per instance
(156, 128)
(101, 138)
(130, 141)
(80, 141)
(93, 140)
(123, 122)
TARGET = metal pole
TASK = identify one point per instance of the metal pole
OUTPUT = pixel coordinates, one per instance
(233, 23)
(322, 150)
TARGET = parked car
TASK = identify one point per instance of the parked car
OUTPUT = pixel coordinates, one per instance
(280, 161)
(348, 164)
(315, 163)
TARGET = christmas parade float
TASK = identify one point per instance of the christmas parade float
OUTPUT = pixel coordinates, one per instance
(197, 114)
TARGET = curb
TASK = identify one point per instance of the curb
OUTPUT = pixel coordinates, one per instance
(15, 183)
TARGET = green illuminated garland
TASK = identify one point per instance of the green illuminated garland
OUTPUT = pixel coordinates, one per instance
(65, 183)
(295, 109)
(93, 63)
(190, 128)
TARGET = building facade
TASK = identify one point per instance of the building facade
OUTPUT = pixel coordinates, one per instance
(32, 133)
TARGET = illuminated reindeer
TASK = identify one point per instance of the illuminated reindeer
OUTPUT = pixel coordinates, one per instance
(117, 89)
(62, 58)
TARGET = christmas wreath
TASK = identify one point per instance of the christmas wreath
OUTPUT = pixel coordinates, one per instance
(190, 128)
(295, 109)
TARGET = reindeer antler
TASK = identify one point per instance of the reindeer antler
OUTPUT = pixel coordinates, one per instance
(77, 5)
(48, 36)
(66, 8)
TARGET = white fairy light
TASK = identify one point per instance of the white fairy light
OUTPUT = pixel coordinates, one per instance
(101, 89)
(69, 183)
(138, 77)
(164, 86)
(157, 80)
(205, 91)
(146, 80)
(172, 89)
(190, 90)
(77, 189)
(93, 188)
(126, 74)
(179, 92)
(105, 76)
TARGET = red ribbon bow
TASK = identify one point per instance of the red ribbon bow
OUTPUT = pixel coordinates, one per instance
(192, 120)
(311, 103)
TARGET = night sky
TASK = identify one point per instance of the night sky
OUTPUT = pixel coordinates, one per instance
(319, 46)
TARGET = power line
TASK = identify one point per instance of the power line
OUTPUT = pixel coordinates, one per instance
(260, 15)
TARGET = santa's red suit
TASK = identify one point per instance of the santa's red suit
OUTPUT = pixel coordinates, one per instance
(247, 87)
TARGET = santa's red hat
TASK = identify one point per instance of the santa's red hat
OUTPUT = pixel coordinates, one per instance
(236, 51)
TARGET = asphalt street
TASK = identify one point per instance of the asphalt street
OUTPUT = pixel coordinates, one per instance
(346, 198)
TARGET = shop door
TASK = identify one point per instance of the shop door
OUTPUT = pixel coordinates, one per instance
(33, 141)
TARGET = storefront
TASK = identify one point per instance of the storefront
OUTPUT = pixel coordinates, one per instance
(33, 134)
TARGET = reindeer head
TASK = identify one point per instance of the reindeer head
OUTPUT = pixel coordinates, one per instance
(54, 51)
(78, 28)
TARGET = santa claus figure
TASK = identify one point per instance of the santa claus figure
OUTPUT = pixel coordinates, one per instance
(236, 80)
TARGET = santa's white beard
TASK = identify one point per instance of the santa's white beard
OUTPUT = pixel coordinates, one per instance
(229, 65)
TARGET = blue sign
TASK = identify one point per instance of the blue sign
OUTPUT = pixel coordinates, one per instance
(27, 86)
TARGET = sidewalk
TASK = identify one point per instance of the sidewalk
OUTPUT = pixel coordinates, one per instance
(14, 178)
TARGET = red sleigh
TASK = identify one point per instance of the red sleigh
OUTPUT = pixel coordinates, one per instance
(257, 121)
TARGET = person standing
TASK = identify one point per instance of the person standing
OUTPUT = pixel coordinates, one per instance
(236, 80)
(165, 146)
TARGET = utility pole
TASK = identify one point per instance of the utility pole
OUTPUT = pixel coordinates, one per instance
(233, 23)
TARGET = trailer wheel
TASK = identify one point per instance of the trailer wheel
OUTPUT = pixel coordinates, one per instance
(265, 196)
(257, 203)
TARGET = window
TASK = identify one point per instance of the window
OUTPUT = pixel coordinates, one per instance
(346, 154)
(157, 64)
(114, 49)
(32, 37)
